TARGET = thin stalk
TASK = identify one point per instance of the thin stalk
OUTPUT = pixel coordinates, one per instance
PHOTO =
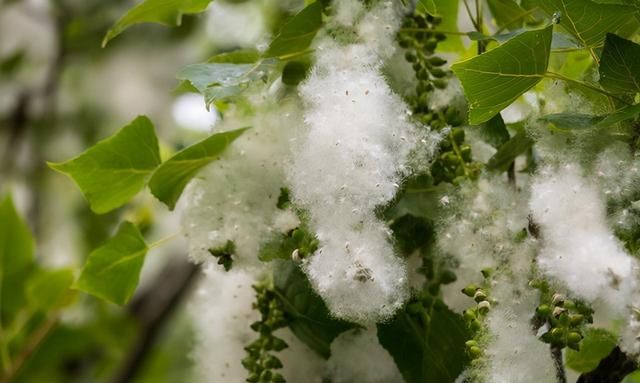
(473, 20)
(558, 76)
(434, 31)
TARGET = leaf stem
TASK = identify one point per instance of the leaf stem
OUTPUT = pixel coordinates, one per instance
(558, 76)
(522, 16)
(32, 344)
(434, 31)
(473, 20)
(162, 241)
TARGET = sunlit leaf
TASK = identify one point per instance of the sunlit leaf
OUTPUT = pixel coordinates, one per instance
(589, 21)
(620, 65)
(114, 170)
(298, 33)
(493, 80)
(167, 12)
(170, 179)
(219, 81)
(595, 346)
(113, 269)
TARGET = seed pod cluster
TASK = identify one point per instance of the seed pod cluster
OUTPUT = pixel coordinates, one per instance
(260, 361)
(420, 40)
(565, 318)
(474, 316)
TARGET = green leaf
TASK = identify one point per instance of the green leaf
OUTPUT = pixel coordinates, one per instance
(508, 14)
(170, 179)
(573, 121)
(298, 33)
(240, 56)
(589, 21)
(432, 354)
(114, 170)
(620, 65)
(508, 152)
(427, 6)
(633, 377)
(16, 260)
(113, 269)
(493, 80)
(309, 318)
(495, 132)
(219, 81)
(49, 289)
(166, 12)
(595, 346)
(448, 10)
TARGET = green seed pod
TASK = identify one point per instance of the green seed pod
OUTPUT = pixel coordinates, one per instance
(557, 299)
(447, 276)
(574, 337)
(441, 36)
(437, 61)
(484, 307)
(434, 288)
(475, 352)
(576, 319)
(266, 375)
(410, 57)
(480, 296)
(475, 325)
(278, 344)
(470, 290)
(277, 378)
(458, 134)
(253, 378)
(249, 362)
(416, 66)
(450, 158)
(430, 45)
(471, 343)
(486, 272)
(543, 310)
(569, 304)
(440, 83)
(438, 73)
(557, 333)
(422, 74)
(272, 362)
(404, 42)
(469, 315)
(465, 152)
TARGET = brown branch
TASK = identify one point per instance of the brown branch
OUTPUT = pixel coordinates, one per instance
(153, 308)
(611, 369)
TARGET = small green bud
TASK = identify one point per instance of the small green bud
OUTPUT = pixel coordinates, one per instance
(440, 83)
(543, 310)
(410, 57)
(253, 378)
(469, 315)
(465, 152)
(470, 290)
(471, 343)
(272, 362)
(486, 273)
(556, 333)
(475, 352)
(557, 299)
(447, 276)
(277, 378)
(266, 375)
(437, 61)
(576, 319)
(438, 73)
(484, 307)
(574, 338)
(569, 304)
(480, 296)
(430, 45)
(475, 325)
(277, 344)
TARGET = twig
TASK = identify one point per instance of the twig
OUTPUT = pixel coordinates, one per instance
(153, 309)
(556, 355)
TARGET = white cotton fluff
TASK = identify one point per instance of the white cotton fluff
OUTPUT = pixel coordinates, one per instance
(235, 197)
(221, 312)
(349, 160)
(513, 353)
(357, 356)
(579, 248)
(483, 233)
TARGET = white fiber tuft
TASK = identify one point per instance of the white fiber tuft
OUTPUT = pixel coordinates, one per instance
(579, 248)
(349, 161)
